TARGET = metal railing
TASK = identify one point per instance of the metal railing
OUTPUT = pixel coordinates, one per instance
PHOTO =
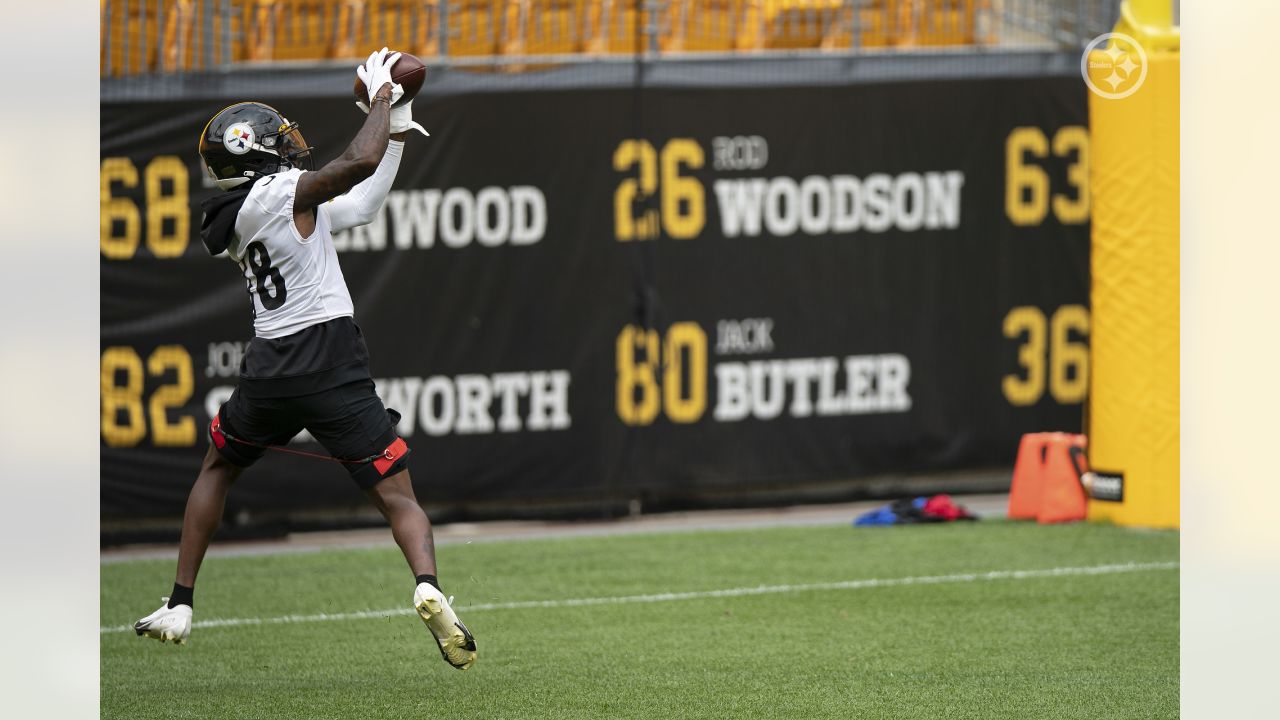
(1068, 23)
(163, 36)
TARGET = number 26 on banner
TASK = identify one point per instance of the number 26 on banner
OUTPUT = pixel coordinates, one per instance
(682, 208)
(1068, 362)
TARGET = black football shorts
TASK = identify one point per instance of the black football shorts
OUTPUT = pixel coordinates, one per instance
(349, 420)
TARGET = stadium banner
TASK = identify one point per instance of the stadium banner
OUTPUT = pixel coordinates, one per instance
(671, 295)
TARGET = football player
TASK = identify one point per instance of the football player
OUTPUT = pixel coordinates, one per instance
(307, 365)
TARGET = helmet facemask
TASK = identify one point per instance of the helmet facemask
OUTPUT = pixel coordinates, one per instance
(289, 144)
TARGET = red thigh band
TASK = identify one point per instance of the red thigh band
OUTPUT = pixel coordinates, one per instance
(394, 452)
(215, 432)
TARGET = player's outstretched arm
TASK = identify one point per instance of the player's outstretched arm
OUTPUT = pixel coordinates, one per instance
(358, 162)
(362, 156)
(362, 205)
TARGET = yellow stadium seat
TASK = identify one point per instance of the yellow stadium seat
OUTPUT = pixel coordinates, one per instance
(712, 26)
(544, 27)
(797, 23)
(613, 26)
(944, 22)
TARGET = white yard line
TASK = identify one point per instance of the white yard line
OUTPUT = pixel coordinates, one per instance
(696, 595)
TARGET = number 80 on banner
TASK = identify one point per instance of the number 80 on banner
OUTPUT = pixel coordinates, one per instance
(667, 374)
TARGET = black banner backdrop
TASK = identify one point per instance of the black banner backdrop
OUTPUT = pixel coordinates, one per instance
(598, 295)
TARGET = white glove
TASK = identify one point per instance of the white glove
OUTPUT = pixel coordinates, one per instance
(376, 72)
(402, 120)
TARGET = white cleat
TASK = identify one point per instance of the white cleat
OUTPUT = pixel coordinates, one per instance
(456, 644)
(167, 623)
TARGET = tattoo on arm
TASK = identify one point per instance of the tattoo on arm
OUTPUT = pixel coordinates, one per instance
(358, 162)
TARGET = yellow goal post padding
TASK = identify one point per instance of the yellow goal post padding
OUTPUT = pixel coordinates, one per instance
(1134, 394)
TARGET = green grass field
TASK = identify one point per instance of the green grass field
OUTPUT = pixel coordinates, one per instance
(948, 644)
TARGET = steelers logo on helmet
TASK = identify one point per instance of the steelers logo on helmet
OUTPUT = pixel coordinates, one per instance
(238, 139)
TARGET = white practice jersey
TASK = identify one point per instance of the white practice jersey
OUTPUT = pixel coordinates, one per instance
(294, 282)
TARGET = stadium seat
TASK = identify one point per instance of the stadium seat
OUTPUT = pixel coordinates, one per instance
(475, 27)
(613, 26)
(121, 22)
(296, 29)
(711, 25)
(942, 22)
(546, 27)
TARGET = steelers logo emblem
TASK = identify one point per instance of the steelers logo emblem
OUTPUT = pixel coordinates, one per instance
(1114, 66)
(238, 138)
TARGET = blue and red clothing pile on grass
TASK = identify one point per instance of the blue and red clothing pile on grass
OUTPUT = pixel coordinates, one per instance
(938, 508)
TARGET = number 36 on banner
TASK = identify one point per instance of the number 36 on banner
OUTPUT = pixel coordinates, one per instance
(1068, 362)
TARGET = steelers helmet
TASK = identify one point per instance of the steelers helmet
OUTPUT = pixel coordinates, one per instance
(249, 140)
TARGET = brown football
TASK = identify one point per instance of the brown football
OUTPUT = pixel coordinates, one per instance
(408, 72)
